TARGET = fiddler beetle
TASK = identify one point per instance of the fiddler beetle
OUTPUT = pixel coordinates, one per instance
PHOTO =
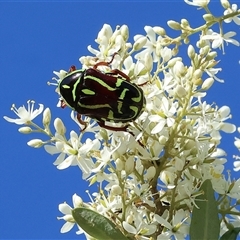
(102, 96)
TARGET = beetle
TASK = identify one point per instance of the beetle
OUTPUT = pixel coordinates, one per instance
(102, 96)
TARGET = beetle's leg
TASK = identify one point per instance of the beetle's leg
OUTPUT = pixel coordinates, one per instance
(102, 124)
(100, 64)
(117, 71)
(114, 71)
(63, 104)
(137, 140)
(81, 122)
(105, 63)
(72, 68)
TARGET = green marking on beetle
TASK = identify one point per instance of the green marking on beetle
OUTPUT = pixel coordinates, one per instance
(65, 86)
(137, 99)
(119, 82)
(100, 82)
(120, 107)
(123, 94)
(74, 89)
(127, 105)
(135, 109)
(88, 91)
(110, 114)
(94, 106)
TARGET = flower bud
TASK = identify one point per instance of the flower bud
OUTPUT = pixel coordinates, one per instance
(186, 40)
(201, 43)
(197, 81)
(119, 42)
(204, 50)
(174, 25)
(237, 143)
(129, 165)
(115, 34)
(207, 83)
(191, 52)
(180, 91)
(175, 50)
(208, 17)
(159, 30)
(197, 74)
(106, 31)
(189, 145)
(212, 64)
(150, 173)
(116, 190)
(179, 69)
(59, 126)
(139, 43)
(124, 32)
(104, 134)
(184, 23)
(162, 140)
(36, 143)
(195, 173)
(225, 4)
(148, 62)
(25, 130)
(211, 56)
(203, 3)
(46, 117)
(119, 164)
(165, 53)
(172, 62)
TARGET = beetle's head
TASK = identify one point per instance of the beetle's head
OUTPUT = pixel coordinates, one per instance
(69, 87)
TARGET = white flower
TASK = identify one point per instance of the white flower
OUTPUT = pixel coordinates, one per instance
(219, 124)
(167, 110)
(233, 9)
(178, 228)
(25, 115)
(212, 73)
(109, 42)
(36, 143)
(213, 120)
(218, 39)
(139, 71)
(135, 224)
(198, 3)
(67, 210)
(236, 165)
(73, 153)
(151, 44)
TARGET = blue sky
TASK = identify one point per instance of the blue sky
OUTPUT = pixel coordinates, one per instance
(40, 37)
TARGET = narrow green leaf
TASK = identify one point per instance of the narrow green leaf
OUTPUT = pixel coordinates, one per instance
(205, 221)
(96, 225)
(231, 234)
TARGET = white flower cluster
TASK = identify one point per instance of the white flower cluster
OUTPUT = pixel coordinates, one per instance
(149, 171)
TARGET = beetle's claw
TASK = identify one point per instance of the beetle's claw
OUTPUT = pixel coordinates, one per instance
(81, 122)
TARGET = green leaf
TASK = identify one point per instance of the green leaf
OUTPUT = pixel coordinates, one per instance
(96, 225)
(205, 221)
(231, 234)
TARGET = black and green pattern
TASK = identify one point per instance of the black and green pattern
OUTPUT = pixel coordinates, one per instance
(102, 96)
